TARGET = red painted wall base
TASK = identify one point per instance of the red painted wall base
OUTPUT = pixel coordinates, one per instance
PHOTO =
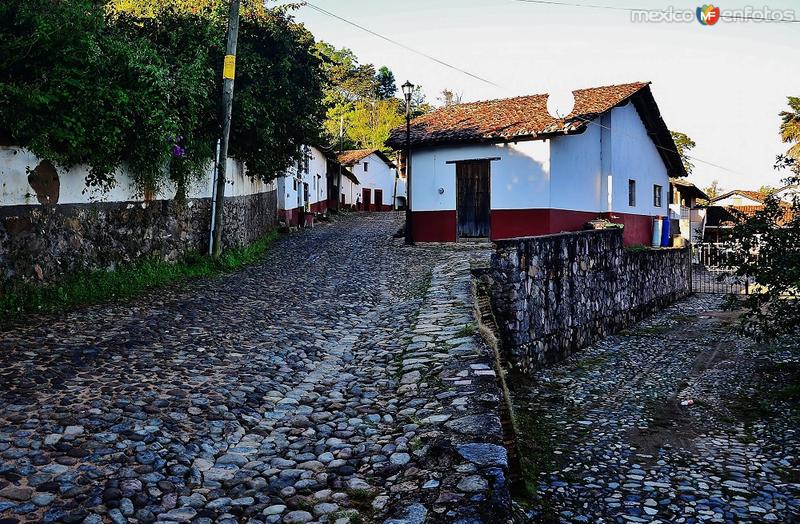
(433, 226)
(440, 226)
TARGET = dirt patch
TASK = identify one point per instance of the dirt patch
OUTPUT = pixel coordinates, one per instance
(44, 181)
(671, 426)
(707, 359)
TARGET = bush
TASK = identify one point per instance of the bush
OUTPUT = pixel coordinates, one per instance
(140, 86)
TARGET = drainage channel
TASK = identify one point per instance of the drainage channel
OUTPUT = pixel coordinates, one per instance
(491, 334)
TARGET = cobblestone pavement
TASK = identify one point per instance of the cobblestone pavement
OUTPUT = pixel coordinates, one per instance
(606, 436)
(274, 394)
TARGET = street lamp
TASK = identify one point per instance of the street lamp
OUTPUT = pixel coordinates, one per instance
(408, 90)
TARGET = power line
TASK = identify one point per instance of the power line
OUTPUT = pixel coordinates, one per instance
(641, 10)
(399, 44)
(551, 2)
(668, 150)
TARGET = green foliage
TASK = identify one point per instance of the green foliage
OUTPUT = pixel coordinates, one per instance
(684, 145)
(385, 84)
(278, 101)
(360, 103)
(790, 127)
(369, 123)
(346, 80)
(189, 46)
(75, 90)
(101, 286)
(767, 249)
(107, 88)
(714, 190)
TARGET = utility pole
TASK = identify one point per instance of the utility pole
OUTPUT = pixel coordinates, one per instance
(408, 91)
(228, 74)
(338, 158)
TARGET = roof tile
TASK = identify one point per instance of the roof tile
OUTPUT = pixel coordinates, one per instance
(510, 118)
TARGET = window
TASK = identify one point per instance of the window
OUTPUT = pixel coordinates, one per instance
(366, 166)
(656, 195)
(294, 184)
(632, 193)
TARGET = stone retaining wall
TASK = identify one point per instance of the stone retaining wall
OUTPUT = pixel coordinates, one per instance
(45, 242)
(558, 293)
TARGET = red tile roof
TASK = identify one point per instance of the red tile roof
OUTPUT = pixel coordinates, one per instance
(354, 156)
(510, 119)
(729, 216)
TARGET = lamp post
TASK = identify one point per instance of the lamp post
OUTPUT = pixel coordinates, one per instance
(408, 90)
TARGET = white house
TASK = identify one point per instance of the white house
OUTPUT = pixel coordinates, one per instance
(377, 180)
(507, 168)
(739, 197)
(303, 191)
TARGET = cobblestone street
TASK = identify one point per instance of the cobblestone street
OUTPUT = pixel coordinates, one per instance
(273, 394)
(677, 419)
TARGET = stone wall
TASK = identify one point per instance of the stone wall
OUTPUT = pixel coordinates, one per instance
(45, 242)
(558, 293)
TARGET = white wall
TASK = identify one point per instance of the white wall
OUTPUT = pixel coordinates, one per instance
(635, 156)
(737, 200)
(290, 197)
(575, 166)
(15, 163)
(519, 180)
(351, 191)
(378, 175)
(402, 187)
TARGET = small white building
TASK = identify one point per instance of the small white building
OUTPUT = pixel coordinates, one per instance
(303, 191)
(739, 197)
(507, 168)
(376, 187)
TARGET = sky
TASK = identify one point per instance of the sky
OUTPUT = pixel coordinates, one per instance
(723, 85)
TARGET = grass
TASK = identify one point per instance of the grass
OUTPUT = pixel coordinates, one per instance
(98, 286)
(536, 447)
(638, 248)
(467, 330)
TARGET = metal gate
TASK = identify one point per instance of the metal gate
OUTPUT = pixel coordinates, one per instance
(713, 272)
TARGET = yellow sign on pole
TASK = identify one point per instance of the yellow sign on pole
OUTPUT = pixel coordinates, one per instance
(229, 69)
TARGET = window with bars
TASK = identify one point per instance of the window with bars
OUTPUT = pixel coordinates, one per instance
(657, 195)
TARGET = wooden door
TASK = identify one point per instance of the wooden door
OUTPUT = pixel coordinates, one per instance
(472, 198)
(379, 200)
(366, 199)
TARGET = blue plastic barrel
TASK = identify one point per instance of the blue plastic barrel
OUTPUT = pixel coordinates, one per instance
(656, 232)
(665, 233)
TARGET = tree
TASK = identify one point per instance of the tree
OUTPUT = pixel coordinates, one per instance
(137, 85)
(77, 90)
(450, 97)
(766, 248)
(368, 125)
(790, 127)
(684, 145)
(419, 105)
(385, 84)
(766, 190)
(714, 190)
(346, 80)
(279, 92)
